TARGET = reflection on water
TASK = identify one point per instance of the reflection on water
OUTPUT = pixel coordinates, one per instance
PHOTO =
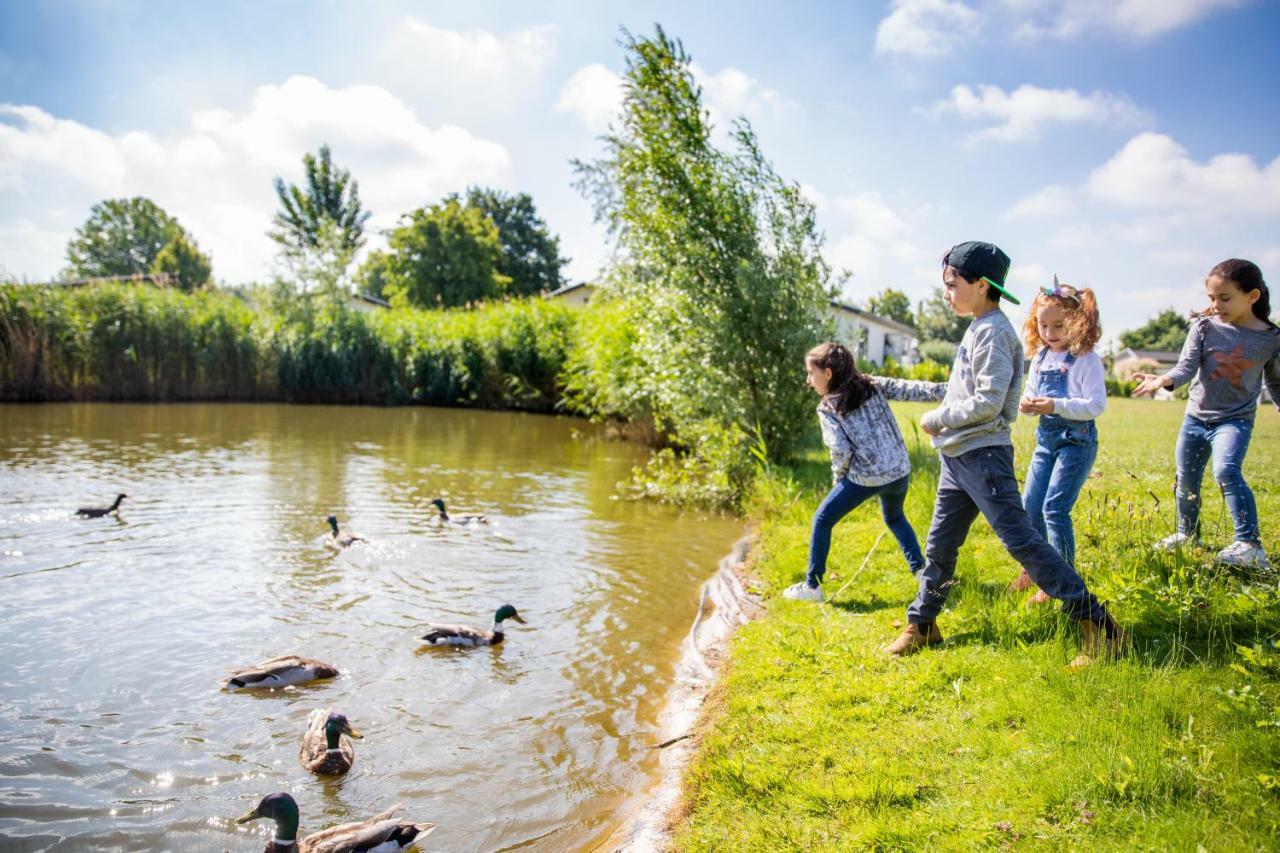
(113, 732)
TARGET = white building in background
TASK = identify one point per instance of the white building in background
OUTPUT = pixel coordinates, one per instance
(367, 302)
(870, 336)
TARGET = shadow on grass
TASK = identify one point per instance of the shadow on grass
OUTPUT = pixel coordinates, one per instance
(870, 605)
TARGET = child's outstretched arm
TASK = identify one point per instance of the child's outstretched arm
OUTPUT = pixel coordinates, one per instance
(1183, 372)
(1272, 374)
(837, 442)
(911, 390)
(992, 373)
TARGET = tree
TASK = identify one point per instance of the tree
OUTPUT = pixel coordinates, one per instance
(893, 304)
(126, 236)
(442, 255)
(937, 322)
(719, 256)
(182, 259)
(530, 253)
(330, 195)
(1166, 331)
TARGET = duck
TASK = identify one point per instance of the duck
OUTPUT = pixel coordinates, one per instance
(381, 833)
(279, 672)
(445, 518)
(323, 751)
(99, 512)
(340, 539)
(468, 637)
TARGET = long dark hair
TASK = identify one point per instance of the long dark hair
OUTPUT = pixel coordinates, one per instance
(849, 387)
(1247, 277)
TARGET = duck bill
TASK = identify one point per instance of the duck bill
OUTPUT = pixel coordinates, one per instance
(350, 732)
(249, 816)
(519, 619)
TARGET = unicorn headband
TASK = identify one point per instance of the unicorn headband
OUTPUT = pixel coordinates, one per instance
(1062, 291)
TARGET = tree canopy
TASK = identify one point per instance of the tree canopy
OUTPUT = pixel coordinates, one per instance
(719, 256)
(937, 322)
(1166, 331)
(443, 255)
(893, 304)
(132, 236)
(329, 195)
(530, 253)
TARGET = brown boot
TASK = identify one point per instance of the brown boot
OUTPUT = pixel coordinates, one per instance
(915, 638)
(1099, 639)
(1022, 582)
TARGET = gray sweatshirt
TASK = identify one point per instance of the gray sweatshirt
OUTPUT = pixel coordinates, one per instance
(866, 445)
(1226, 365)
(982, 394)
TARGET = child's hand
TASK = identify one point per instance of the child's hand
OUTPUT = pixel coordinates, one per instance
(1148, 383)
(1036, 406)
(928, 427)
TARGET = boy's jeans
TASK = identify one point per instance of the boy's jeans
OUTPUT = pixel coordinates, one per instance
(843, 498)
(1063, 457)
(1227, 441)
(982, 481)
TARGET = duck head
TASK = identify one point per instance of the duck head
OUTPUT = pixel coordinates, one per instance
(333, 523)
(120, 497)
(279, 807)
(439, 504)
(505, 612)
(335, 727)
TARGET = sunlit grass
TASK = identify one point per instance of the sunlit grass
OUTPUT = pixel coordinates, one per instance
(821, 742)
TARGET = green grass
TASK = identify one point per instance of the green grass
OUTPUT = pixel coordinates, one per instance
(820, 742)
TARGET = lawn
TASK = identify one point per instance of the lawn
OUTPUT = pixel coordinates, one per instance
(818, 741)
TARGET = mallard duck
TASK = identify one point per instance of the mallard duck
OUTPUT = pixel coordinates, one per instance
(381, 833)
(323, 750)
(340, 539)
(464, 635)
(280, 672)
(99, 512)
(444, 516)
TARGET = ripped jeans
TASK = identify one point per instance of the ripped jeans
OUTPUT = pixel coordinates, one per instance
(1227, 442)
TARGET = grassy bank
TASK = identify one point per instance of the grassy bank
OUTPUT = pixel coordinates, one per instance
(820, 742)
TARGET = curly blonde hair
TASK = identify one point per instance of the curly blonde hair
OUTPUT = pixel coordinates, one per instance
(1084, 329)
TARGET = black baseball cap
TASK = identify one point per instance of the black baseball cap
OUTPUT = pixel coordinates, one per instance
(985, 260)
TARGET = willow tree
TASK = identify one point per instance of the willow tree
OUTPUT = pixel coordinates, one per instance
(719, 256)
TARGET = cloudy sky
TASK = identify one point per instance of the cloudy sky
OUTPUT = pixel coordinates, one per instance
(1128, 145)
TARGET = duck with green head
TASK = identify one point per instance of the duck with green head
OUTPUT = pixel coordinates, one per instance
(323, 750)
(460, 520)
(342, 538)
(381, 833)
(466, 636)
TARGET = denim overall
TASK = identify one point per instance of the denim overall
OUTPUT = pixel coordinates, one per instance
(1064, 455)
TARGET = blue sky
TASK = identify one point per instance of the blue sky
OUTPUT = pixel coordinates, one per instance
(1127, 145)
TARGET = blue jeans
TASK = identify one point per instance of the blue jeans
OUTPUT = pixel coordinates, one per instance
(1064, 455)
(844, 497)
(982, 481)
(1227, 442)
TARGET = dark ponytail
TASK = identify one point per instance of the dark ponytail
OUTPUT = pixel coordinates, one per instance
(1247, 277)
(849, 387)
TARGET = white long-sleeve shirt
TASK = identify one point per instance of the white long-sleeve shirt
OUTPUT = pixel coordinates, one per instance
(1086, 384)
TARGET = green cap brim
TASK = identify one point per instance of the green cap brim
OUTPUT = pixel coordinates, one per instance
(1000, 288)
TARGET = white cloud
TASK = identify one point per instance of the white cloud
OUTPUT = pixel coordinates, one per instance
(1053, 200)
(1152, 170)
(878, 245)
(1020, 114)
(216, 176)
(480, 52)
(1070, 19)
(593, 94)
(925, 28)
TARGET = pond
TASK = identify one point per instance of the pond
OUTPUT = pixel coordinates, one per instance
(114, 731)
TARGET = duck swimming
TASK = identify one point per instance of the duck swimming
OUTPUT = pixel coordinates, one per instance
(457, 519)
(280, 672)
(468, 637)
(99, 512)
(381, 833)
(340, 539)
(323, 751)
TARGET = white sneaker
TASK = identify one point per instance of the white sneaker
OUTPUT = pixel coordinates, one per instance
(803, 592)
(1244, 555)
(1173, 543)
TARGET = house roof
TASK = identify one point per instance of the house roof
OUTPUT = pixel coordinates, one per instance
(893, 325)
(1153, 354)
(371, 299)
(569, 288)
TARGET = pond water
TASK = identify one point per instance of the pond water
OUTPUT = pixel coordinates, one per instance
(114, 732)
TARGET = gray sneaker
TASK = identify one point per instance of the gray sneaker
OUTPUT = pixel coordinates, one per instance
(803, 592)
(1174, 542)
(1244, 555)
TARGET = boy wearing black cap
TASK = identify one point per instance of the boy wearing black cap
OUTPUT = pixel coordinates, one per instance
(971, 430)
